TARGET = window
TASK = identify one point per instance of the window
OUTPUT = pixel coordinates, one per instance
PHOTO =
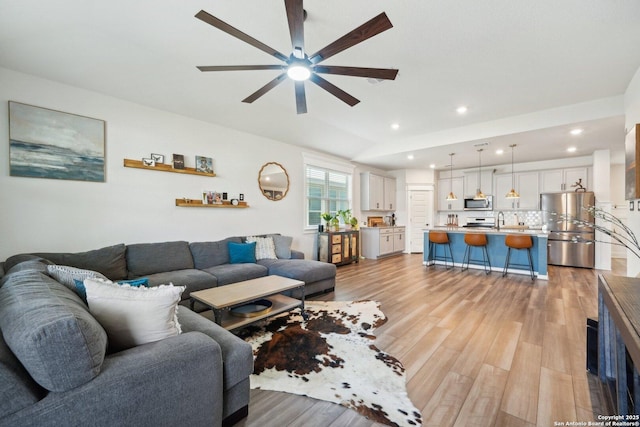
(326, 190)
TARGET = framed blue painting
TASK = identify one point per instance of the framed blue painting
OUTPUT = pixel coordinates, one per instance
(46, 143)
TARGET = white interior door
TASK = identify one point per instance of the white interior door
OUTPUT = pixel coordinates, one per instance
(420, 217)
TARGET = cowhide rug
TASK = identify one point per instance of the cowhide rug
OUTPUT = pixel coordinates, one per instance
(331, 356)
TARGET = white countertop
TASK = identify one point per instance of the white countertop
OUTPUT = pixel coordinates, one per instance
(503, 230)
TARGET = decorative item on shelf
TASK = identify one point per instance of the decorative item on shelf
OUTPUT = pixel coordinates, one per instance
(149, 162)
(211, 198)
(225, 195)
(204, 164)
(158, 158)
(451, 196)
(479, 194)
(512, 194)
(234, 202)
(178, 161)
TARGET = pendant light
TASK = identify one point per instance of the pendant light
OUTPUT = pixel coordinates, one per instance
(451, 196)
(513, 194)
(479, 194)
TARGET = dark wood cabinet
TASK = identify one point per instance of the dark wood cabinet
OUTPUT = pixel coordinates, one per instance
(339, 247)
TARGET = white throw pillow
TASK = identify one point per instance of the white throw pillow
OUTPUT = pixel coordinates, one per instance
(66, 275)
(132, 316)
(265, 249)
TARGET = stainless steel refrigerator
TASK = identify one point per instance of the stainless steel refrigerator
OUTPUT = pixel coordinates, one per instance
(568, 242)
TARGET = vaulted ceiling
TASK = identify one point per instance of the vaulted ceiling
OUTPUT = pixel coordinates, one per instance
(528, 71)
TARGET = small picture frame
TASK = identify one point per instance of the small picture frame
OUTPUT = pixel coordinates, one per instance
(204, 164)
(158, 158)
(210, 197)
(148, 162)
(224, 195)
(241, 197)
(632, 204)
(178, 161)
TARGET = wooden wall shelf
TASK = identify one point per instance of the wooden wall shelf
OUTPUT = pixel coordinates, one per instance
(163, 167)
(196, 203)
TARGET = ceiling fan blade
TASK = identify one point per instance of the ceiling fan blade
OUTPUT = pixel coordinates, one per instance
(334, 90)
(223, 26)
(365, 31)
(295, 16)
(264, 89)
(301, 98)
(238, 67)
(376, 73)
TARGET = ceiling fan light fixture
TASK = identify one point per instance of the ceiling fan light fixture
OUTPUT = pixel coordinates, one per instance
(298, 72)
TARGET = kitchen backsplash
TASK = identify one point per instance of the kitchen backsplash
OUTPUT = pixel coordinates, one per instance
(530, 218)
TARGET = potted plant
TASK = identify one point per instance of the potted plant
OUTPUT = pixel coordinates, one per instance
(335, 223)
(354, 223)
(345, 215)
(327, 219)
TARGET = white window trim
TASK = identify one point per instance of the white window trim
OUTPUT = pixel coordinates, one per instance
(338, 165)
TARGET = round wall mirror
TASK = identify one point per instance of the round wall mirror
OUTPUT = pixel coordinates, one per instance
(273, 181)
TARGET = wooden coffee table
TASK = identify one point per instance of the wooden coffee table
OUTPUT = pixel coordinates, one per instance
(223, 298)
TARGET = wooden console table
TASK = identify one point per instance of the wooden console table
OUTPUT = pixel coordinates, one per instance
(619, 341)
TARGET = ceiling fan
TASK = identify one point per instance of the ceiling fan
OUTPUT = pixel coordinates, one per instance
(298, 65)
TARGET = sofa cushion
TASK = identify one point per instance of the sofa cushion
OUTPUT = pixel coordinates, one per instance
(109, 260)
(14, 260)
(193, 280)
(68, 275)
(231, 273)
(50, 331)
(18, 389)
(209, 254)
(242, 253)
(308, 271)
(149, 258)
(134, 315)
(283, 246)
(265, 249)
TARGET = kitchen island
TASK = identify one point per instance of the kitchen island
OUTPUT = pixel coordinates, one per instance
(496, 248)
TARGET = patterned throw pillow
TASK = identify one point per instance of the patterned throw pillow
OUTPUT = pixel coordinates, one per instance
(66, 275)
(265, 249)
(132, 316)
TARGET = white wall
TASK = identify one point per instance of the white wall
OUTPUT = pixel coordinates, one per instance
(136, 205)
(632, 116)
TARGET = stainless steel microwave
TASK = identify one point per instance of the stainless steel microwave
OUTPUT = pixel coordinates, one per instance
(471, 204)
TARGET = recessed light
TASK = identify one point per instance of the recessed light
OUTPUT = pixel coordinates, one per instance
(410, 157)
(571, 149)
(575, 131)
(395, 126)
(499, 151)
(432, 166)
(461, 110)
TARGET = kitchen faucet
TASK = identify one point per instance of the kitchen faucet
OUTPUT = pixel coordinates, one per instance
(500, 215)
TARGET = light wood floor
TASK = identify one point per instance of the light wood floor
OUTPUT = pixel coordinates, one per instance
(478, 350)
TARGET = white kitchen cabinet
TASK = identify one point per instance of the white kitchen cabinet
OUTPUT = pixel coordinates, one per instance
(378, 242)
(471, 183)
(389, 194)
(556, 180)
(445, 186)
(377, 193)
(526, 184)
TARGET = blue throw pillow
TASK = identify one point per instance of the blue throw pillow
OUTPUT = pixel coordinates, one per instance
(242, 252)
(136, 283)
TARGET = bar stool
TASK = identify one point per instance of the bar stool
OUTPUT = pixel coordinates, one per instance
(518, 242)
(440, 238)
(478, 240)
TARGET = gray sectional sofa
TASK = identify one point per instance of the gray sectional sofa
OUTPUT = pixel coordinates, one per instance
(56, 367)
